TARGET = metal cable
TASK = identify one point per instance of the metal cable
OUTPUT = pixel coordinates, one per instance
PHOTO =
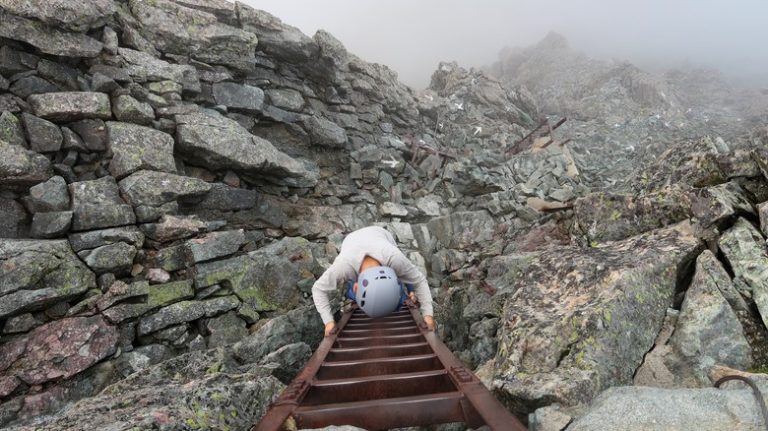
(755, 391)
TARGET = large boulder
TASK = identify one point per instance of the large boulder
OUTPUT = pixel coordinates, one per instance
(302, 325)
(71, 106)
(58, 350)
(581, 320)
(47, 39)
(35, 274)
(609, 217)
(122, 302)
(186, 311)
(266, 279)
(97, 204)
(142, 66)
(277, 39)
(68, 14)
(137, 147)
(51, 195)
(238, 96)
(175, 29)
(221, 143)
(744, 249)
(151, 189)
(651, 409)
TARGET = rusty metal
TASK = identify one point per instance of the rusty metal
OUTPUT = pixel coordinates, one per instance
(544, 129)
(385, 373)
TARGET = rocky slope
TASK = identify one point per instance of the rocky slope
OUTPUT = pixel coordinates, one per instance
(178, 173)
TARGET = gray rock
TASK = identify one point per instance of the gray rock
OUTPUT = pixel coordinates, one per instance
(286, 98)
(302, 325)
(51, 195)
(762, 209)
(93, 134)
(265, 279)
(462, 229)
(136, 147)
(225, 329)
(13, 61)
(51, 225)
(43, 135)
(68, 14)
(186, 311)
(744, 248)
(4, 84)
(130, 110)
(288, 360)
(221, 143)
(142, 66)
(712, 205)
(116, 258)
(47, 39)
(171, 228)
(142, 357)
(226, 198)
(238, 96)
(215, 244)
(21, 168)
(549, 418)
(391, 209)
(14, 220)
(150, 188)
(21, 323)
(324, 133)
(97, 204)
(11, 130)
(103, 84)
(611, 301)
(35, 274)
(97, 238)
(29, 85)
(278, 40)
(71, 106)
(72, 141)
(176, 29)
(650, 409)
(142, 298)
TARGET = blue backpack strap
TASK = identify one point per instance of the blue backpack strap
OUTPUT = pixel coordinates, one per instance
(350, 294)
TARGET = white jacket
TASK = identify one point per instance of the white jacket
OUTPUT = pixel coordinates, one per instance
(379, 244)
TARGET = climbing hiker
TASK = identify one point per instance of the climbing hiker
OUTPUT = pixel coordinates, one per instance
(374, 268)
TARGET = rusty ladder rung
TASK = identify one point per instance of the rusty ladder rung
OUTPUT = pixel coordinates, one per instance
(386, 373)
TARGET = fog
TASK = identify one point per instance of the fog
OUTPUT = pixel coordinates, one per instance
(413, 36)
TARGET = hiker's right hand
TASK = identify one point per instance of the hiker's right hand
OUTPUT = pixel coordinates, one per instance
(329, 327)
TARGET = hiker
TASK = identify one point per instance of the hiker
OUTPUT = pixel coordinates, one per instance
(374, 268)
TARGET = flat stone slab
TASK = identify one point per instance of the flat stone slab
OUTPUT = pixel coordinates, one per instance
(48, 39)
(71, 105)
(186, 311)
(137, 147)
(215, 244)
(151, 188)
(21, 168)
(97, 204)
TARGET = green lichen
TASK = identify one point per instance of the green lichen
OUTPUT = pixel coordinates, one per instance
(215, 368)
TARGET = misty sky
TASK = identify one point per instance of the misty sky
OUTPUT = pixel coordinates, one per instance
(413, 36)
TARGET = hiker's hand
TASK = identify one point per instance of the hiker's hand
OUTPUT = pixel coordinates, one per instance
(329, 327)
(430, 322)
(413, 298)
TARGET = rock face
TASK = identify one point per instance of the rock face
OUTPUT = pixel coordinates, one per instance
(608, 303)
(135, 148)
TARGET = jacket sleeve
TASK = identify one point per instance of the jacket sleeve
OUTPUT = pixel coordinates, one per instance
(409, 273)
(321, 291)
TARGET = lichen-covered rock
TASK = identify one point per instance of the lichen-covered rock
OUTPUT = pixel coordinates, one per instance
(712, 205)
(51, 225)
(299, 325)
(186, 311)
(288, 360)
(582, 319)
(324, 133)
(744, 249)
(221, 143)
(763, 212)
(47, 39)
(97, 204)
(462, 229)
(176, 29)
(35, 274)
(71, 106)
(97, 238)
(153, 189)
(116, 258)
(637, 408)
(215, 244)
(92, 132)
(68, 14)
(130, 110)
(265, 279)
(51, 195)
(14, 220)
(610, 217)
(226, 329)
(170, 228)
(226, 198)
(59, 349)
(276, 38)
(286, 98)
(136, 147)
(142, 66)
(21, 168)
(43, 135)
(238, 96)
(11, 130)
(141, 298)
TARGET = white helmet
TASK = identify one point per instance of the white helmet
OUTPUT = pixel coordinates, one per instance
(378, 291)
